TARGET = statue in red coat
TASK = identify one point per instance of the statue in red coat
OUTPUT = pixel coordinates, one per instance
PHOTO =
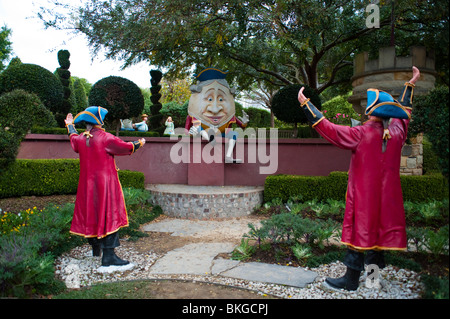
(100, 206)
(374, 218)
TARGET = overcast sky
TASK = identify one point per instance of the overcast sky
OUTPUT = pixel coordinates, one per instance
(33, 44)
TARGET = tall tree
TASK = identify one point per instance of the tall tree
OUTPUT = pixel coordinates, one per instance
(5, 46)
(280, 42)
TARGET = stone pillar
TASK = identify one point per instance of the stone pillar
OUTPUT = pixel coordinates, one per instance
(389, 73)
(412, 157)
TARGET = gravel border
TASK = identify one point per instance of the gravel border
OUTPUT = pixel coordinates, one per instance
(78, 268)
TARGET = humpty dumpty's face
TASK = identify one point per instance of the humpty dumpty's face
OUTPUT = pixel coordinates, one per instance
(214, 105)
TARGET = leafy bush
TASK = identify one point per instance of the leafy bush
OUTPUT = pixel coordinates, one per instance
(27, 252)
(22, 269)
(339, 110)
(30, 240)
(80, 96)
(430, 116)
(334, 186)
(52, 176)
(286, 107)
(290, 229)
(34, 79)
(139, 211)
(121, 97)
(258, 117)
(63, 131)
(177, 111)
(19, 110)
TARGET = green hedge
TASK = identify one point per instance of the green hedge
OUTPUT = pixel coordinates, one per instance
(63, 131)
(334, 186)
(50, 177)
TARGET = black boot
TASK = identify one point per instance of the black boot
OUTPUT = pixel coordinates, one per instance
(96, 246)
(375, 257)
(349, 281)
(110, 258)
(96, 250)
(354, 261)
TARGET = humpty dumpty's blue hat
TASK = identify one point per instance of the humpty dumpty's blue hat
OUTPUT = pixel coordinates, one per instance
(211, 74)
(92, 115)
(382, 104)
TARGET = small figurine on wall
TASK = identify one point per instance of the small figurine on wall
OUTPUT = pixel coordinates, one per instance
(374, 219)
(212, 107)
(142, 126)
(126, 125)
(170, 127)
(100, 206)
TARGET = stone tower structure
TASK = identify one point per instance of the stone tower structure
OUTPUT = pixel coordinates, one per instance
(388, 73)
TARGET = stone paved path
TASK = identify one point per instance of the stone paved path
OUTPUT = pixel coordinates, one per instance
(200, 258)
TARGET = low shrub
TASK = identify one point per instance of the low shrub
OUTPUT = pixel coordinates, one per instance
(63, 131)
(52, 176)
(32, 239)
(334, 186)
(139, 212)
(28, 247)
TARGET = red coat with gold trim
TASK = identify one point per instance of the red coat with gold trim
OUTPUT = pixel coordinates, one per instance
(100, 205)
(374, 214)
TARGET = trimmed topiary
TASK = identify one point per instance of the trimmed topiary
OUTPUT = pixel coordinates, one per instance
(34, 79)
(121, 97)
(286, 107)
(19, 111)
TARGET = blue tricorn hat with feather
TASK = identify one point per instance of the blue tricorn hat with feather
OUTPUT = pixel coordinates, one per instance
(91, 115)
(383, 105)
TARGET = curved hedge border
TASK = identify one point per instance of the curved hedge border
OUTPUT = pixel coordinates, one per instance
(415, 188)
(43, 177)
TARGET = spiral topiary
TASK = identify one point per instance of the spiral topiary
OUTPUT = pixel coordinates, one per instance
(155, 119)
(63, 74)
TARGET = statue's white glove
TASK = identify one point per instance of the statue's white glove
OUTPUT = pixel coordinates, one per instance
(244, 118)
(193, 131)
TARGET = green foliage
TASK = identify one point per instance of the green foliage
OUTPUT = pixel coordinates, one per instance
(177, 111)
(27, 252)
(301, 252)
(286, 41)
(34, 79)
(339, 110)
(5, 46)
(139, 210)
(19, 111)
(22, 268)
(258, 117)
(334, 186)
(156, 118)
(285, 105)
(81, 101)
(430, 159)
(436, 288)
(63, 75)
(243, 251)
(121, 97)
(291, 229)
(48, 177)
(63, 131)
(430, 116)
